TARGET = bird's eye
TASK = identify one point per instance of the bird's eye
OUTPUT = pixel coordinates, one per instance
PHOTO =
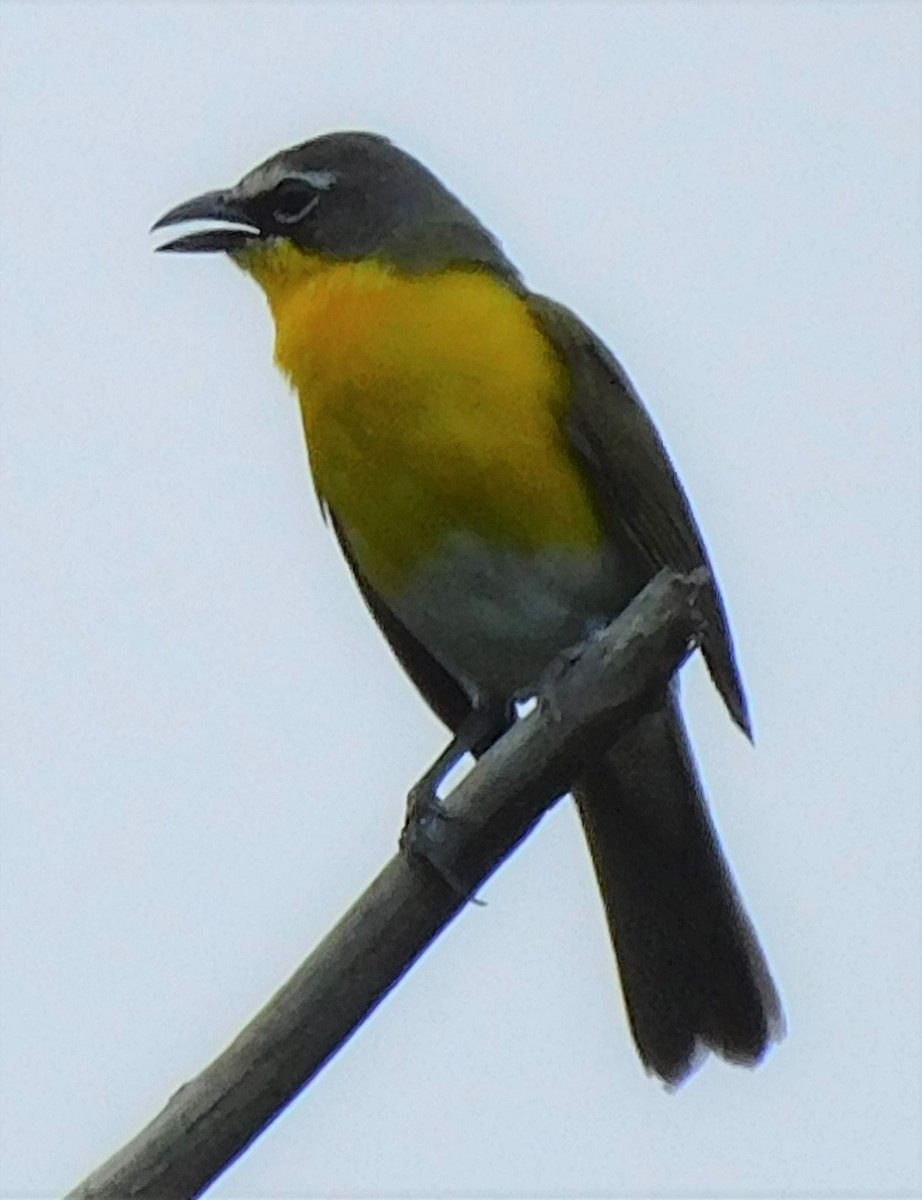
(292, 200)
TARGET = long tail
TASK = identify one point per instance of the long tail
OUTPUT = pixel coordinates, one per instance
(692, 972)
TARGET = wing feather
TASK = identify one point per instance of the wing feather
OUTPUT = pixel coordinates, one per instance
(639, 492)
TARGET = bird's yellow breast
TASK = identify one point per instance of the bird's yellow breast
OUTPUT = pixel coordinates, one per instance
(432, 405)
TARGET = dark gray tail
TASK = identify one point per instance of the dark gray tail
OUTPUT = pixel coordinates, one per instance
(692, 972)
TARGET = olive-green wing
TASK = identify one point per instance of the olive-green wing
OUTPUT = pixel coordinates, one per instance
(639, 492)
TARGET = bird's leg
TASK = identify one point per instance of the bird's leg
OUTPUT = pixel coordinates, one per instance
(425, 815)
(425, 791)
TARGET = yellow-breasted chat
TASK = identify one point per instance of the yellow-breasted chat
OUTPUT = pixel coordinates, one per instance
(499, 491)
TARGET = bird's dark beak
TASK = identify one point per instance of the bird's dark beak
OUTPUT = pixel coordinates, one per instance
(213, 206)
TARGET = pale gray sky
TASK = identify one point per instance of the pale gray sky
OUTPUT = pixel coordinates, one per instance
(204, 741)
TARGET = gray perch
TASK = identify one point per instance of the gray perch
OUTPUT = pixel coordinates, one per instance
(211, 1119)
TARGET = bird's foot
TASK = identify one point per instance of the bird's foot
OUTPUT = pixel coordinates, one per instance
(428, 835)
(557, 668)
(430, 832)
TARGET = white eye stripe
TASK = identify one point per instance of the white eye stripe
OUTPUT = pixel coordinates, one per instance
(285, 218)
(264, 179)
(322, 181)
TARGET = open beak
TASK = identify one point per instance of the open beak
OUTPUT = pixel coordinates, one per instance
(213, 206)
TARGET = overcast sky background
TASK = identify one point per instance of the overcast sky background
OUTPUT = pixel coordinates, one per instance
(205, 742)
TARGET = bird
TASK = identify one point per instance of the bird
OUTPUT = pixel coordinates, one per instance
(499, 492)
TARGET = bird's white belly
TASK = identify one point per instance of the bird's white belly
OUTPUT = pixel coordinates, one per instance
(496, 617)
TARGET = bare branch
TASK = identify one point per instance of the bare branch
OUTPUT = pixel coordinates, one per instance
(214, 1117)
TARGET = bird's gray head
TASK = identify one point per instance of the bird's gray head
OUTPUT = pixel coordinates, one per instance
(344, 196)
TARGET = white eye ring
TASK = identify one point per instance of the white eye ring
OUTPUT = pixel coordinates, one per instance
(293, 217)
(285, 218)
